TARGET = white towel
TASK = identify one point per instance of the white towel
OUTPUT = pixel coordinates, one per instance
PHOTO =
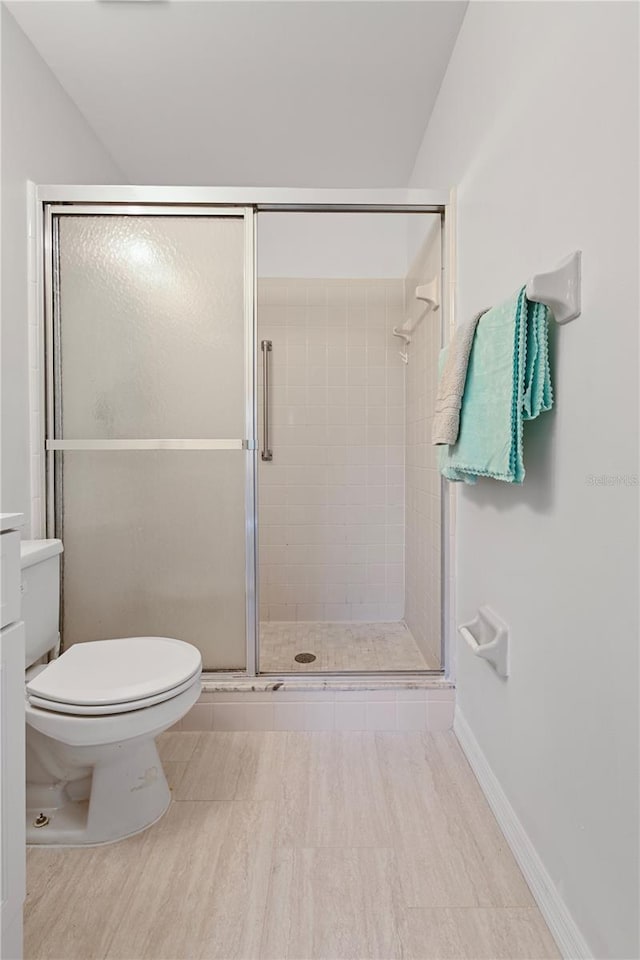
(446, 419)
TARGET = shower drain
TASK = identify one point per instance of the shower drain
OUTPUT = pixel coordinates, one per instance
(305, 657)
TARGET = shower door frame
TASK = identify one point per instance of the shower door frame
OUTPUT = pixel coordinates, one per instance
(247, 202)
(247, 443)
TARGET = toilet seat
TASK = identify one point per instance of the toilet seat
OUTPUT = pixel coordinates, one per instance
(115, 676)
(82, 710)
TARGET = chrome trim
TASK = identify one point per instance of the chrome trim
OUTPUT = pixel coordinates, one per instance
(129, 210)
(146, 444)
(35, 231)
(266, 346)
(251, 485)
(57, 397)
(53, 212)
(49, 371)
(447, 562)
(328, 207)
(54, 462)
(256, 462)
(267, 198)
(444, 492)
(238, 201)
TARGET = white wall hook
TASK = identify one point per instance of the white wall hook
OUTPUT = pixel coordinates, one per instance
(430, 293)
(488, 637)
(559, 289)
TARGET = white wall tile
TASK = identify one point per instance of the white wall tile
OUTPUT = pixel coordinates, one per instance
(229, 716)
(337, 479)
(411, 715)
(259, 716)
(350, 715)
(441, 693)
(289, 716)
(381, 715)
(319, 716)
(383, 709)
(200, 717)
(440, 714)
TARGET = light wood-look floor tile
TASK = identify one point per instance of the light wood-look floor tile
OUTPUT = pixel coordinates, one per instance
(506, 933)
(296, 846)
(75, 897)
(234, 766)
(450, 850)
(331, 903)
(332, 792)
(174, 771)
(178, 746)
(202, 885)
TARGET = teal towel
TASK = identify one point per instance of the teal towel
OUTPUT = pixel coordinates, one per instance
(508, 381)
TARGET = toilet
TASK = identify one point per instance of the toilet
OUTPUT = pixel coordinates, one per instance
(93, 713)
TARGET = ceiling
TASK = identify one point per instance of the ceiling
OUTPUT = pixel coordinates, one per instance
(316, 94)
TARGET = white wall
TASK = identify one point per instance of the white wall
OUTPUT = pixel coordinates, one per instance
(537, 125)
(44, 139)
(338, 245)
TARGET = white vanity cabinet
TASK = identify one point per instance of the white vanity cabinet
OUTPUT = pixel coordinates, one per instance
(12, 737)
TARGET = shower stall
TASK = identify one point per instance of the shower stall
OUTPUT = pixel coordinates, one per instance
(349, 493)
(237, 442)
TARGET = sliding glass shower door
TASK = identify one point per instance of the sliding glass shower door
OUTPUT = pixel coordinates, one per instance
(151, 433)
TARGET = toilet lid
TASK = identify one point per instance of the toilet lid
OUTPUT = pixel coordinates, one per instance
(107, 672)
(107, 709)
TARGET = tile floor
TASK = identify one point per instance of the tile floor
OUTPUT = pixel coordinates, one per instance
(294, 846)
(352, 646)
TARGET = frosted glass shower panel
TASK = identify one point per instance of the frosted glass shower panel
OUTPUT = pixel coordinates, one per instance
(154, 545)
(151, 437)
(151, 343)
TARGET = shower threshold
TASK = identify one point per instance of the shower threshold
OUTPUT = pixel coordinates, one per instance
(339, 647)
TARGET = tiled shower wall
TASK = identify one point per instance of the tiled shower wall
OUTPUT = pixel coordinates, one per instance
(332, 500)
(422, 479)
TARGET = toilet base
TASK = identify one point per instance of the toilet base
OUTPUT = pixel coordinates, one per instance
(127, 793)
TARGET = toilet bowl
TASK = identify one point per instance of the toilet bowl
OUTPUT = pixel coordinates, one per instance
(93, 771)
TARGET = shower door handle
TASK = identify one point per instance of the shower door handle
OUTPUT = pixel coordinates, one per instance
(267, 346)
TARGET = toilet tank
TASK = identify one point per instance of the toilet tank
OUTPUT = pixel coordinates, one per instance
(40, 562)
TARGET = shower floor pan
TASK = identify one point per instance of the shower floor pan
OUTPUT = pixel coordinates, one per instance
(338, 647)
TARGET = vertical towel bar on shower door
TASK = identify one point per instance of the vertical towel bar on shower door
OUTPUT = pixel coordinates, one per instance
(267, 453)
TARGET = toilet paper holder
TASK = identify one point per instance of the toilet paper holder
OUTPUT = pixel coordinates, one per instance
(487, 636)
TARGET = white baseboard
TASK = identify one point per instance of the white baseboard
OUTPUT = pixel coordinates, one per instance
(570, 941)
